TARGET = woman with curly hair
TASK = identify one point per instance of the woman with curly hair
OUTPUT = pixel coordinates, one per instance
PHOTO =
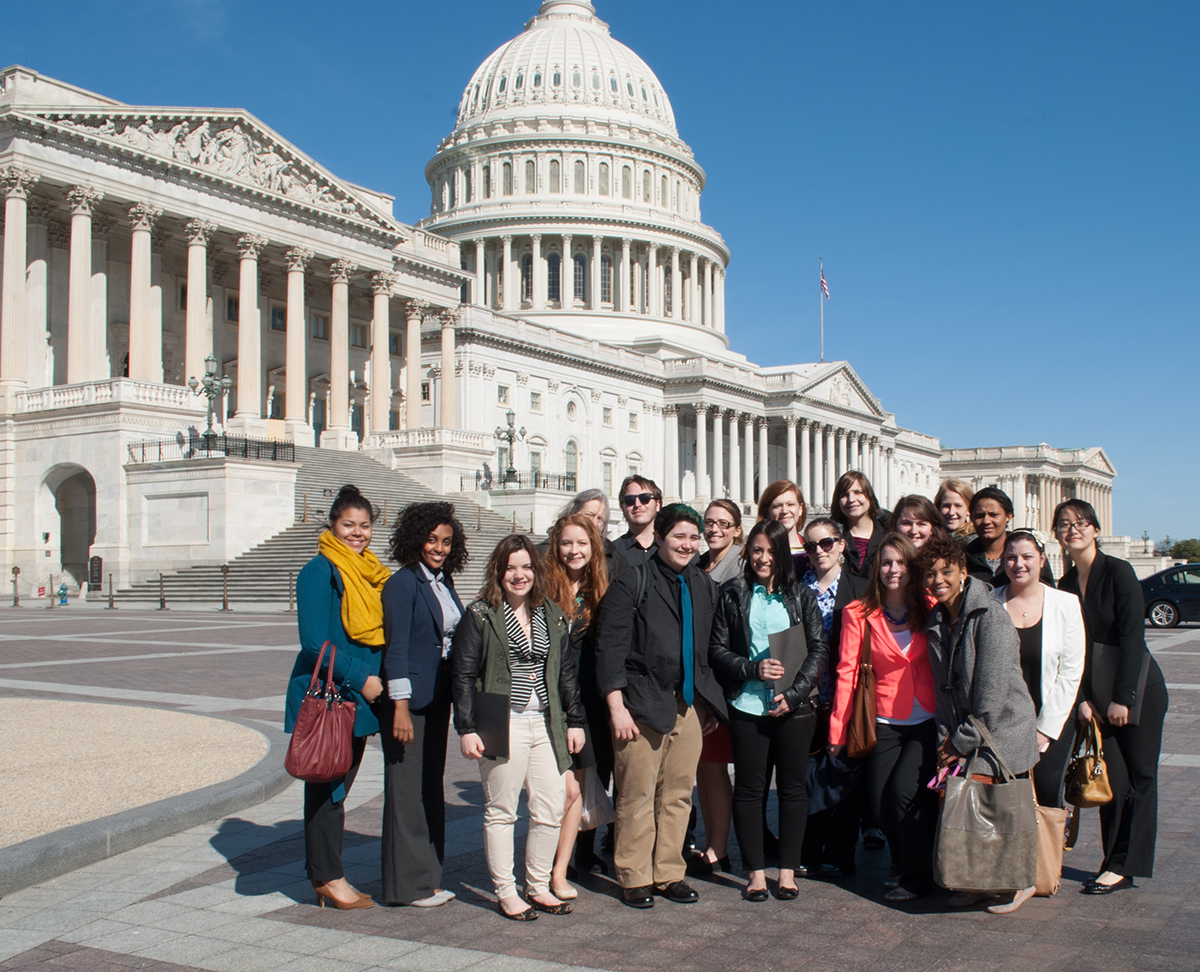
(576, 579)
(421, 610)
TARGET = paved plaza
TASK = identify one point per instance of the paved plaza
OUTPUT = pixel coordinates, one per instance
(231, 896)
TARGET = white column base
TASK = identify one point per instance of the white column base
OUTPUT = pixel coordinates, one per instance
(248, 425)
(344, 440)
(298, 431)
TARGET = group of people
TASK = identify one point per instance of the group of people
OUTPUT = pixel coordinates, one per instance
(646, 666)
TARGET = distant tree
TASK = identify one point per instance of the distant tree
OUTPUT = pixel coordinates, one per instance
(1186, 550)
(1163, 546)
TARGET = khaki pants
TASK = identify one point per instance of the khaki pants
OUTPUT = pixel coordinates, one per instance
(530, 764)
(654, 775)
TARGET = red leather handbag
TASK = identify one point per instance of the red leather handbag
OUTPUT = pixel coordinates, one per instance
(322, 743)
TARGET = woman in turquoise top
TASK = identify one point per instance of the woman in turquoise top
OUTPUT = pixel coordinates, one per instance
(769, 724)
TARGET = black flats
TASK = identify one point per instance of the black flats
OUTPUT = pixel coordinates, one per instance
(787, 894)
(756, 894)
(1093, 886)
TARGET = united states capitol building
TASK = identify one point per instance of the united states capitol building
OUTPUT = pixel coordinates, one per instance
(564, 285)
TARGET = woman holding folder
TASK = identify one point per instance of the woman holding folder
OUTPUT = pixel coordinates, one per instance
(771, 718)
(1123, 688)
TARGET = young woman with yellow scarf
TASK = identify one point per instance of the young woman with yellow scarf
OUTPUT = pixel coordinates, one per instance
(338, 600)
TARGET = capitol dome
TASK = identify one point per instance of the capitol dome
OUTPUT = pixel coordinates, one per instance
(573, 199)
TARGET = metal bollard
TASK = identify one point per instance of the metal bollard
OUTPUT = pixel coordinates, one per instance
(50, 591)
(304, 518)
(111, 606)
(162, 594)
(291, 592)
(16, 572)
(478, 519)
(514, 529)
(225, 587)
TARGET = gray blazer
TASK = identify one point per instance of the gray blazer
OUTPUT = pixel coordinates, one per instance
(976, 663)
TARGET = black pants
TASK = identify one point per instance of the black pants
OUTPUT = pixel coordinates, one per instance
(1129, 823)
(600, 745)
(758, 743)
(1048, 771)
(324, 821)
(902, 762)
(414, 804)
(831, 836)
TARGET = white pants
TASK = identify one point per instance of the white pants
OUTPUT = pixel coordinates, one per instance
(530, 764)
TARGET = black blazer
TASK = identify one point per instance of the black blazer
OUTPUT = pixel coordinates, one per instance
(1114, 613)
(729, 644)
(977, 567)
(853, 565)
(637, 645)
(851, 587)
(412, 627)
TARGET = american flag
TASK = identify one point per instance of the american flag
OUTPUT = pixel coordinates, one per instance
(824, 286)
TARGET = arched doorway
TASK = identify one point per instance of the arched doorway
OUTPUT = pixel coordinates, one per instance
(74, 498)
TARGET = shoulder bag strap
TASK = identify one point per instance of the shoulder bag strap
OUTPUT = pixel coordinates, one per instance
(987, 741)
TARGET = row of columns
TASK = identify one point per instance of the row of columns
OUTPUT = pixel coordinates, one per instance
(644, 289)
(1036, 495)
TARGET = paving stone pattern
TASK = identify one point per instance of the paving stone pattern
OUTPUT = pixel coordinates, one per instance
(232, 895)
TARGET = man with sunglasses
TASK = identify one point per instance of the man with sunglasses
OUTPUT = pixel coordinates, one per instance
(641, 499)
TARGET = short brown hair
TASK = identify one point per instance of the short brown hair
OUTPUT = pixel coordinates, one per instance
(493, 592)
(649, 485)
(774, 491)
(924, 510)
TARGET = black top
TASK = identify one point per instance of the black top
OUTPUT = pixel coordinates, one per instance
(861, 567)
(1031, 661)
(632, 552)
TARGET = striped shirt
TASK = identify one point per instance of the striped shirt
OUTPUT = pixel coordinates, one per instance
(527, 663)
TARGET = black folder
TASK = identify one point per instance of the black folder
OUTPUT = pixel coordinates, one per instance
(1104, 663)
(789, 646)
(492, 710)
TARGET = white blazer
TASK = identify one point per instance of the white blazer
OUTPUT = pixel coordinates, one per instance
(1062, 656)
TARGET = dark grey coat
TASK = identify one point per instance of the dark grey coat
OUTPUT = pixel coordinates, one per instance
(976, 663)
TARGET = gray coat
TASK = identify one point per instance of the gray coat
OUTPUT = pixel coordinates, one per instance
(977, 671)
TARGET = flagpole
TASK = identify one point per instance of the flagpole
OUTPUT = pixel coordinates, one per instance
(821, 301)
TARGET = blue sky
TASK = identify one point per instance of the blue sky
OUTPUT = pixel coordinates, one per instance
(1005, 194)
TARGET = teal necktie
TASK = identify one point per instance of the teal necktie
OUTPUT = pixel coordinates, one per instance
(689, 648)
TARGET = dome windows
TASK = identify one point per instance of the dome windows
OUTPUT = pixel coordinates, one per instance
(504, 82)
(580, 277)
(554, 278)
(555, 176)
(612, 84)
(530, 177)
(645, 97)
(626, 182)
(537, 79)
(603, 180)
(580, 178)
(606, 276)
(487, 182)
(629, 88)
(595, 81)
(556, 78)
(665, 199)
(506, 175)
(519, 82)
(646, 186)
(577, 80)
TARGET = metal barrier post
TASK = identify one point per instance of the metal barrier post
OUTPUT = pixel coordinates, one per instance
(225, 587)
(50, 591)
(162, 594)
(514, 521)
(478, 519)
(16, 572)
(291, 592)
(385, 516)
(111, 606)
(304, 518)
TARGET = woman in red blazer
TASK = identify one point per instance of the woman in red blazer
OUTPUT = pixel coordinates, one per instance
(905, 754)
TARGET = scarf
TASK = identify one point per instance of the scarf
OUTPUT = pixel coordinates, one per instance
(363, 577)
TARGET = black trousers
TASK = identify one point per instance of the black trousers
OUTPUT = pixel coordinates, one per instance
(760, 742)
(902, 762)
(831, 836)
(324, 822)
(1051, 766)
(414, 804)
(1129, 823)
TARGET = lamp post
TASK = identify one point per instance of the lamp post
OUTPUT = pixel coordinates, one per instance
(510, 434)
(211, 387)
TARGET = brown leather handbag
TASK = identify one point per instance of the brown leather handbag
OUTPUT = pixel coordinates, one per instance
(860, 734)
(1087, 777)
(322, 746)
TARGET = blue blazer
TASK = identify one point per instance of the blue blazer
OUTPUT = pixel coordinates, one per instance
(412, 625)
(319, 616)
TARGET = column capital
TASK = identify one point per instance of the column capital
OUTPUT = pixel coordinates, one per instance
(791, 421)
(506, 239)
(448, 317)
(670, 410)
(747, 418)
(626, 242)
(763, 422)
(702, 408)
(382, 283)
(250, 246)
(536, 238)
(39, 210)
(296, 259)
(417, 309)
(16, 182)
(143, 216)
(199, 231)
(83, 199)
(597, 240)
(340, 270)
(478, 241)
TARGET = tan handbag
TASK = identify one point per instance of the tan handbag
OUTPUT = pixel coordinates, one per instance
(1087, 777)
(860, 734)
(1051, 827)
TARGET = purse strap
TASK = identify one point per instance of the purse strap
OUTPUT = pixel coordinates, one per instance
(314, 683)
(987, 741)
(864, 649)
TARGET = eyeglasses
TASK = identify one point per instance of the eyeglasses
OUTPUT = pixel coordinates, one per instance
(629, 499)
(825, 543)
(717, 525)
(1064, 527)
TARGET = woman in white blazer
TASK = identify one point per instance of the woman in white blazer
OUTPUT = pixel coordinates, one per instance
(1050, 625)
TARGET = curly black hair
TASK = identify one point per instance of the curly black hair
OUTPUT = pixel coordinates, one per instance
(413, 527)
(941, 548)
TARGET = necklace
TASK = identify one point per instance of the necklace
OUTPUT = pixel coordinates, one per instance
(897, 621)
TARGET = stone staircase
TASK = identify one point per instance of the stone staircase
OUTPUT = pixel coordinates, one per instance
(262, 573)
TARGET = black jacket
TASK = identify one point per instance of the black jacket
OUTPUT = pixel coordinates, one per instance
(729, 644)
(1114, 613)
(977, 567)
(638, 644)
(863, 568)
(851, 587)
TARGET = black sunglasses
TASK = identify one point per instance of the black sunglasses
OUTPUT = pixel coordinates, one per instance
(630, 498)
(825, 543)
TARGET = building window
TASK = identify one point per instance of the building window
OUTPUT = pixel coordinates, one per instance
(451, 185)
(356, 420)
(394, 343)
(580, 178)
(537, 79)
(629, 88)
(504, 81)
(535, 465)
(535, 401)
(604, 178)
(595, 81)
(633, 470)
(520, 82)
(556, 78)
(606, 279)
(633, 420)
(646, 186)
(487, 182)
(276, 411)
(468, 185)
(667, 295)
(678, 194)
(571, 463)
(626, 182)
(530, 177)
(502, 461)
(555, 176)
(612, 84)
(278, 317)
(502, 394)
(606, 478)
(393, 420)
(425, 394)
(358, 335)
(527, 278)
(320, 327)
(606, 415)
(580, 277)
(666, 198)
(183, 296)
(576, 80)
(232, 306)
(506, 175)
(572, 410)
(554, 277)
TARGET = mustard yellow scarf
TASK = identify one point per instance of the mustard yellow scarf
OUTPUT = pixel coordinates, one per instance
(363, 577)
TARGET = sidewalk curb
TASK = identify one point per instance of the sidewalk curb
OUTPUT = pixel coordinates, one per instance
(51, 855)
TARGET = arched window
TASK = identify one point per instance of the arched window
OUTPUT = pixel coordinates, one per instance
(555, 176)
(507, 177)
(537, 79)
(527, 278)
(554, 277)
(626, 182)
(612, 83)
(475, 99)
(487, 182)
(530, 176)
(576, 80)
(606, 279)
(556, 78)
(520, 82)
(503, 82)
(452, 185)
(571, 464)
(644, 95)
(468, 185)
(580, 277)
(580, 178)
(665, 201)
(595, 81)
(629, 88)
(603, 178)
(678, 194)
(646, 186)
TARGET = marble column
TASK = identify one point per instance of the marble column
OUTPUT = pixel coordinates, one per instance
(694, 289)
(449, 416)
(671, 448)
(876, 466)
(249, 373)
(653, 282)
(595, 295)
(295, 402)
(719, 299)
(831, 473)
(197, 338)
(16, 183)
(480, 295)
(707, 305)
(538, 270)
(701, 450)
(748, 461)
(101, 367)
(381, 360)
(790, 422)
(818, 474)
(37, 293)
(718, 464)
(841, 453)
(413, 315)
(735, 457)
(805, 481)
(82, 200)
(142, 366)
(337, 434)
(763, 463)
(676, 286)
(511, 299)
(621, 291)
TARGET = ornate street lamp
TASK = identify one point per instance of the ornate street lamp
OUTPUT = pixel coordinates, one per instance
(212, 388)
(510, 434)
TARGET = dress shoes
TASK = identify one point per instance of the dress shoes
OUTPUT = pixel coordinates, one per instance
(755, 894)
(642, 897)
(784, 893)
(1095, 887)
(678, 891)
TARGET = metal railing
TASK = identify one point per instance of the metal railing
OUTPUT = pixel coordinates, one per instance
(201, 445)
(564, 483)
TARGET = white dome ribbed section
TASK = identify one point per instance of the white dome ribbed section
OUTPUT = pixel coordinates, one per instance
(573, 199)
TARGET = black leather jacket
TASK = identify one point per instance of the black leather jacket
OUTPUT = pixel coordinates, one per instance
(729, 644)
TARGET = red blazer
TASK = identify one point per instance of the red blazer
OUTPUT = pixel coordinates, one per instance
(897, 677)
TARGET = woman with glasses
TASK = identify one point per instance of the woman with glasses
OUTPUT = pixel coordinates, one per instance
(1050, 628)
(1113, 617)
(856, 509)
(918, 519)
(722, 560)
(953, 501)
